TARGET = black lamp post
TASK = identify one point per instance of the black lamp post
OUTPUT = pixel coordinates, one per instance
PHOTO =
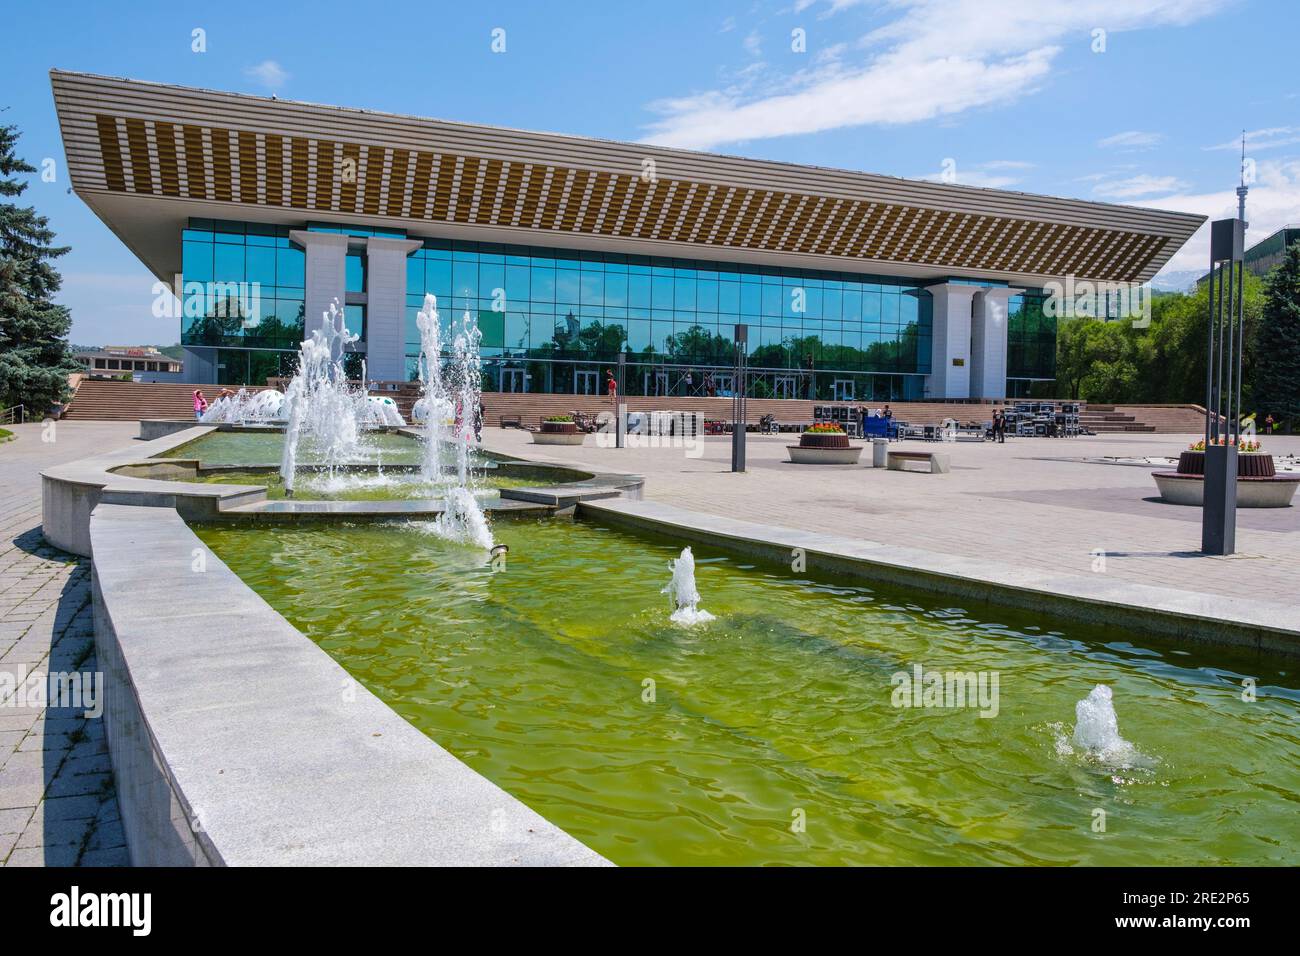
(1223, 386)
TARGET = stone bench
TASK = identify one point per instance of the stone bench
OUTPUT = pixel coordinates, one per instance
(897, 461)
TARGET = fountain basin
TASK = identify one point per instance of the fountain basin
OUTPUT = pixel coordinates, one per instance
(663, 745)
(1272, 492)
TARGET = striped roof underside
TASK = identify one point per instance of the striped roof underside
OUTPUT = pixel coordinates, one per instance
(186, 160)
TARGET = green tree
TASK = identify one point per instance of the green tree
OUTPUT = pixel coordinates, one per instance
(34, 356)
(1275, 344)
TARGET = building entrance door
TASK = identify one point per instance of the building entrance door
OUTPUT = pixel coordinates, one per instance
(512, 380)
(784, 386)
(585, 382)
(725, 383)
(842, 390)
(655, 383)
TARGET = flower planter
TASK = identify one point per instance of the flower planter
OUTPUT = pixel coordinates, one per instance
(1250, 464)
(824, 448)
(823, 440)
(1252, 492)
(560, 428)
(558, 438)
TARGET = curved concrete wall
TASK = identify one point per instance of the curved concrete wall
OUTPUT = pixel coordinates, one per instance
(69, 493)
(236, 740)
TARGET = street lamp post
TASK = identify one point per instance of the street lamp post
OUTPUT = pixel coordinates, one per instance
(1223, 386)
(740, 387)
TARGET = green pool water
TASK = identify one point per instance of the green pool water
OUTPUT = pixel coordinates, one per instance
(770, 735)
(266, 448)
(356, 486)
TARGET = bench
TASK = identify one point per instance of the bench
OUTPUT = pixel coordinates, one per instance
(897, 460)
(511, 421)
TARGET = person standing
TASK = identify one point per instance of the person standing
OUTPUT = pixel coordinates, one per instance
(200, 404)
(1268, 423)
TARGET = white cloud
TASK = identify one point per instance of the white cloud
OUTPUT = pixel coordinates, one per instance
(1270, 138)
(937, 58)
(753, 44)
(268, 73)
(982, 174)
(1132, 187)
(1131, 139)
(1273, 202)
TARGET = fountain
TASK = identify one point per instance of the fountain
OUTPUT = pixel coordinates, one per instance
(1096, 728)
(266, 405)
(320, 404)
(448, 404)
(683, 596)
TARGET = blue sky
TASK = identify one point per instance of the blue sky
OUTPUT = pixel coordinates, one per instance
(1023, 95)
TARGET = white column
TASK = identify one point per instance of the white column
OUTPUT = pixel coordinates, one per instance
(386, 307)
(988, 374)
(950, 352)
(326, 272)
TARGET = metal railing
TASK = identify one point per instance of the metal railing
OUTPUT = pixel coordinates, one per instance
(14, 415)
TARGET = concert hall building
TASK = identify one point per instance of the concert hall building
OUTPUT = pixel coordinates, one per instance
(571, 250)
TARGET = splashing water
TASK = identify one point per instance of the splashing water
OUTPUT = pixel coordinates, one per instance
(319, 403)
(449, 403)
(683, 596)
(1096, 729)
(266, 405)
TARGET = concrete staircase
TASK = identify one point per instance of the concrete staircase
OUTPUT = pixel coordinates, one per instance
(113, 400)
(1161, 419)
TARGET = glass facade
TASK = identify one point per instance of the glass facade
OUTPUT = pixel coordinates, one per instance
(554, 320)
(1031, 340)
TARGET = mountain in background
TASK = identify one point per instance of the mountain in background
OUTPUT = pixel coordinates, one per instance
(1180, 281)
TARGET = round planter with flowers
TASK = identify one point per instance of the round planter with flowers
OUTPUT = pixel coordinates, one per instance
(1258, 483)
(824, 444)
(559, 430)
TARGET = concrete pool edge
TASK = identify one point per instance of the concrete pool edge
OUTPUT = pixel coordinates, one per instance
(1205, 618)
(70, 492)
(235, 740)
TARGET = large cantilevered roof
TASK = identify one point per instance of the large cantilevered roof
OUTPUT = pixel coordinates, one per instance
(147, 156)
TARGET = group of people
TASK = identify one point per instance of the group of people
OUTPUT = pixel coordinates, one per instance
(999, 425)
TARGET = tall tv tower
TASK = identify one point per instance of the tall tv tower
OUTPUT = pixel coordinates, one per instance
(1243, 188)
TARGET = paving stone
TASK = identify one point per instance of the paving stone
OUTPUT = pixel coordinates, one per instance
(115, 856)
(16, 718)
(73, 785)
(48, 760)
(44, 856)
(15, 820)
(65, 808)
(107, 835)
(56, 833)
(46, 741)
(98, 763)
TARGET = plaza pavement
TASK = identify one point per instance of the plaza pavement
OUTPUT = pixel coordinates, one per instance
(1034, 503)
(1031, 502)
(57, 802)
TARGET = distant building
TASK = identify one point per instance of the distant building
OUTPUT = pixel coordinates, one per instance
(144, 362)
(1260, 258)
